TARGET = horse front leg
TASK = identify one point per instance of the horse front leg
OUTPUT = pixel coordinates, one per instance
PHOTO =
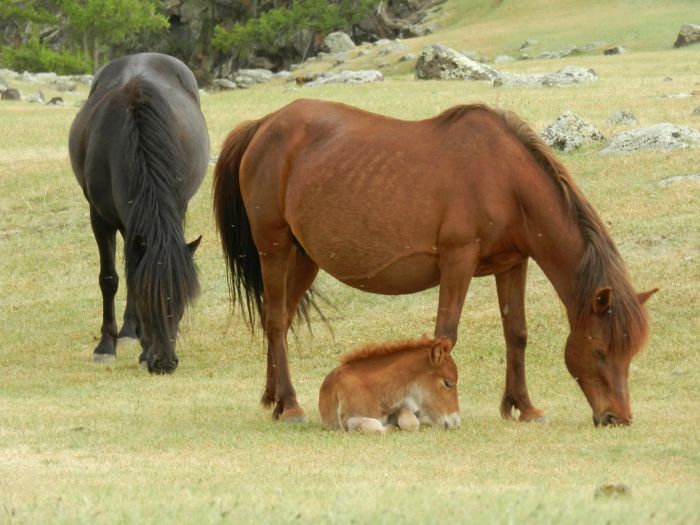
(511, 300)
(129, 330)
(457, 267)
(105, 236)
(275, 259)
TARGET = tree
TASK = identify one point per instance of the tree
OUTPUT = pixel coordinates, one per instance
(99, 24)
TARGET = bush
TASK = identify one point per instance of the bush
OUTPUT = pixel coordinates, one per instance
(34, 57)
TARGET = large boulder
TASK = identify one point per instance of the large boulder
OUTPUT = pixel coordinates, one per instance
(344, 77)
(563, 77)
(657, 137)
(10, 94)
(569, 132)
(438, 62)
(689, 34)
(338, 42)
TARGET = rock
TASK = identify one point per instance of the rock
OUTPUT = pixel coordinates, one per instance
(46, 78)
(615, 50)
(337, 42)
(408, 57)
(345, 77)
(382, 42)
(500, 59)
(83, 79)
(247, 78)
(668, 79)
(609, 490)
(363, 52)
(474, 55)
(593, 45)
(550, 54)
(282, 74)
(563, 77)
(688, 34)
(437, 62)
(223, 83)
(55, 101)
(620, 117)
(36, 98)
(28, 77)
(65, 85)
(8, 73)
(569, 132)
(10, 94)
(392, 48)
(678, 178)
(659, 137)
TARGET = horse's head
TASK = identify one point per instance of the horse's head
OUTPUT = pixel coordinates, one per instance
(599, 351)
(436, 388)
(159, 322)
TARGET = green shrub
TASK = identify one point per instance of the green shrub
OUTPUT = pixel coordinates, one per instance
(34, 57)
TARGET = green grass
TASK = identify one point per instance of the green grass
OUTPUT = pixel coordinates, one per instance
(81, 443)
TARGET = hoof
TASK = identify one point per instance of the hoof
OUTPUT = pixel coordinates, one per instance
(295, 420)
(103, 358)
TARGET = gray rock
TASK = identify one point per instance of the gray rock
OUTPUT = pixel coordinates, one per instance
(337, 42)
(10, 94)
(65, 85)
(8, 73)
(28, 77)
(346, 77)
(688, 34)
(46, 78)
(247, 78)
(659, 137)
(621, 117)
(83, 79)
(36, 98)
(615, 50)
(563, 77)
(593, 45)
(678, 178)
(500, 59)
(363, 52)
(569, 132)
(550, 54)
(55, 101)
(408, 57)
(382, 42)
(437, 62)
(223, 83)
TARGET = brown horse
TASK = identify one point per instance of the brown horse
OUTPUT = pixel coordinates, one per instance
(395, 207)
(399, 384)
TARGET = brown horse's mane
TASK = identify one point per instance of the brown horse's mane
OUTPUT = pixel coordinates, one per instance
(601, 264)
(393, 347)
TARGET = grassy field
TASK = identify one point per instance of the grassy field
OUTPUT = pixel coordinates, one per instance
(81, 443)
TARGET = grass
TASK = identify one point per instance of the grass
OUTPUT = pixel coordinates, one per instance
(86, 444)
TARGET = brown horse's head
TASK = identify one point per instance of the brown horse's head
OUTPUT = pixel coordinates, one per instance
(435, 390)
(599, 350)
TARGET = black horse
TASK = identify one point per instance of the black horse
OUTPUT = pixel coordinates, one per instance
(139, 149)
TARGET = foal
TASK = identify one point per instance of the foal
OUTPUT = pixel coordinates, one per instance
(403, 383)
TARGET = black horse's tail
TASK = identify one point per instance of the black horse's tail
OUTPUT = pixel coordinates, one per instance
(160, 270)
(240, 252)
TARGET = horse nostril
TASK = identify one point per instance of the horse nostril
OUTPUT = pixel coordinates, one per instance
(609, 419)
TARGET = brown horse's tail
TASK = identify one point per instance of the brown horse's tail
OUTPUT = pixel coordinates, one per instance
(242, 259)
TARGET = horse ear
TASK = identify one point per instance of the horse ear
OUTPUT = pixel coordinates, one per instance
(437, 352)
(192, 246)
(642, 297)
(602, 301)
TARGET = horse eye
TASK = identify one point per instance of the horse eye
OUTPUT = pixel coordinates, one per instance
(599, 354)
(448, 384)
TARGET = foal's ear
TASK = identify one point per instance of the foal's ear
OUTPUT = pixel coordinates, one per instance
(192, 246)
(437, 352)
(642, 297)
(602, 301)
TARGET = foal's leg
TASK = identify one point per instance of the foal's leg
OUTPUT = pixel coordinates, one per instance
(365, 424)
(511, 300)
(105, 236)
(300, 277)
(276, 255)
(457, 267)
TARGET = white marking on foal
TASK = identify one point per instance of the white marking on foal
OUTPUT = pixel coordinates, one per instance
(365, 424)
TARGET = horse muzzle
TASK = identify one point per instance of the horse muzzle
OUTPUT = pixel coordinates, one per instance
(608, 419)
(159, 365)
(451, 421)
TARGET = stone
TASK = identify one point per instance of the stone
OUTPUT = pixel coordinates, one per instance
(36, 98)
(620, 117)
(46, 78)
(10, 94)
(689, 34)
(678, 178)
(3, 85)
(392, 48)
(337, 42)
(569, 132)
(437, 62)
(345, 77)
(593, 45)
(363, 52)
(659, 137)
(223, 83)
(615, 50)
(500, 59)
(65, 85)
(8, 73)
(563, 77)
(408, 57)
(247, 78)
(55, 101)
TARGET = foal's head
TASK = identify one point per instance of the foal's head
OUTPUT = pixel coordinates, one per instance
(435, 389)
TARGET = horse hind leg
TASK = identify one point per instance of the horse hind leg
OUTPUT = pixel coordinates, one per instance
(511, 299)
(105, 236)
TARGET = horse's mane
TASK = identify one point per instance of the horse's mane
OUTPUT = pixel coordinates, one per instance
(393, 347)
(601, 264)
